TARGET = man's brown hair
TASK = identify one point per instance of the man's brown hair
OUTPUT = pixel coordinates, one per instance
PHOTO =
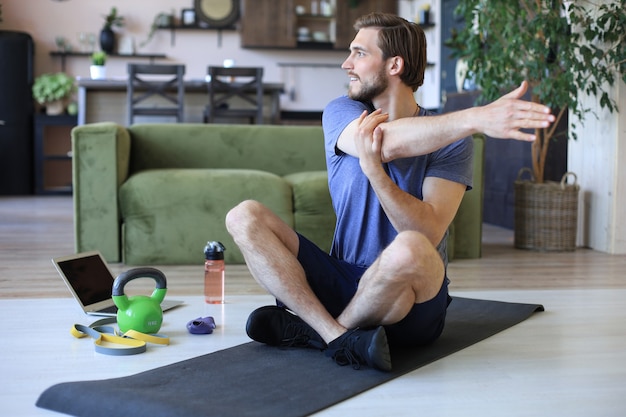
(399, 37)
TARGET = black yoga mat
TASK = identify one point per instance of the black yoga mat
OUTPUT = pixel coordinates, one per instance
(257, 380)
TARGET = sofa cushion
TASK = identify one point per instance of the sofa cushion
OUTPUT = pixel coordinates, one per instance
(168, 215)
(272, 148)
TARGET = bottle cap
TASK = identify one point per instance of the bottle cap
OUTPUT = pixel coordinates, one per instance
(214, 251)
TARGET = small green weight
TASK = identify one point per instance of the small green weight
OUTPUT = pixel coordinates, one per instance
(141, 313)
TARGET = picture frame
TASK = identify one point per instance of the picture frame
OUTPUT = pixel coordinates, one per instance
(188, 17)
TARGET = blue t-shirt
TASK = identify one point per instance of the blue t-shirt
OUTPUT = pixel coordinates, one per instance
(363, 229)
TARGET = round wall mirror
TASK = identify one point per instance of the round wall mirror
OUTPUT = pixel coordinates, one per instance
(217, 13)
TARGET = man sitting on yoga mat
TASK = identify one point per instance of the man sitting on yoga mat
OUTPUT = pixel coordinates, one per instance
(396, 176)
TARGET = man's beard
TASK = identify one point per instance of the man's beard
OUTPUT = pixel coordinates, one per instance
(370, 90)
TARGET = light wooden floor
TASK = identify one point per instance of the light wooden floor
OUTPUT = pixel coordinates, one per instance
(35, 229)
(568, 361)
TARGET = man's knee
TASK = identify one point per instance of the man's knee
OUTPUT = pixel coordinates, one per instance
(412, 255)
(243, 215)
(410, 252)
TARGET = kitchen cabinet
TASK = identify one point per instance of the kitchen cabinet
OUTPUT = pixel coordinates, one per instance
(268, 23)
(304, 24)
(348, 13)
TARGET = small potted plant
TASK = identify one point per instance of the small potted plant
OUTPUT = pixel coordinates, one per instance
(161, 20)
(97, 68)
(53, 91)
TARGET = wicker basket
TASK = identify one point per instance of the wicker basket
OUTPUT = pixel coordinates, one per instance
(546, 215)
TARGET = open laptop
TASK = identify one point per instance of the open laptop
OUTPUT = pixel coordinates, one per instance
(90, 281)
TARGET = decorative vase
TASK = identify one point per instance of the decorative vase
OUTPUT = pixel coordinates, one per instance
(54, 108)
(424, 17)
(164, 20)
(460, 74)
(98, 72)
(107, 40)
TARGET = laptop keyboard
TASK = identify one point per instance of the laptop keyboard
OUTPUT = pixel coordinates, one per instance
(112, 310)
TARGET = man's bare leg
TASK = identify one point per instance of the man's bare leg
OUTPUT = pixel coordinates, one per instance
(270, 248)
(409, 271)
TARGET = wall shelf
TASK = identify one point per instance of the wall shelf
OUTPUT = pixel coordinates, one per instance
(321, 46)
(197, 26)
(309, 65)
(64, 55)
(194, 27)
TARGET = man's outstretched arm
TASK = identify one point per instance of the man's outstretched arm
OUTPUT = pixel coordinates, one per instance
(502, 119)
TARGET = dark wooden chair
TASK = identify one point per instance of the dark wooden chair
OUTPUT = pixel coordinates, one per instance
(155, 90)
(235, 93)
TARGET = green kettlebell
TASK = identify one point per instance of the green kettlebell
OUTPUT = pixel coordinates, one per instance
(140, 312)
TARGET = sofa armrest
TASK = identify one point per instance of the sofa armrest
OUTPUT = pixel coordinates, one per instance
(466, 228)
(101, 154)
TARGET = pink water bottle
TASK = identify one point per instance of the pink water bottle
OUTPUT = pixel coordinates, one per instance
(214, 273)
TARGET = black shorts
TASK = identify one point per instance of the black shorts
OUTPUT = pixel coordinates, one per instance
(335, 283)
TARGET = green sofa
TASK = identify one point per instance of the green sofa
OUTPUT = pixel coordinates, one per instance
(156, 193)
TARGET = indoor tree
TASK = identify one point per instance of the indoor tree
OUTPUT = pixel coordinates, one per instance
(565, 49)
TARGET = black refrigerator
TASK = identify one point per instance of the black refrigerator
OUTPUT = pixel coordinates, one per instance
(16, 113)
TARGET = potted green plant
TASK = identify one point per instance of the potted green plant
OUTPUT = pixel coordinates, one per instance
(52, 91)
(563, 48)
(161, 20)
(107, 36)
(97, 68)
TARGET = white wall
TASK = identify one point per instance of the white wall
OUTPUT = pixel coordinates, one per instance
(313, 87)
(598, 158)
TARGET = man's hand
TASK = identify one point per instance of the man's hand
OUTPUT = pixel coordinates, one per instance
(506, 116)
(368, 141)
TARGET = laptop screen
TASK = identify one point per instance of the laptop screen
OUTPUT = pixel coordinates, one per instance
(89, 277)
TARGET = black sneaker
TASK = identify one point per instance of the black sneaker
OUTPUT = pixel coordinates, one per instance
(276, 326)
(361, 347)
